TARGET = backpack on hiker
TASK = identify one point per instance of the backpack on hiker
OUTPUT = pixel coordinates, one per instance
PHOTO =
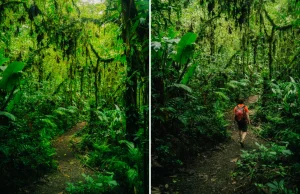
(240, 113)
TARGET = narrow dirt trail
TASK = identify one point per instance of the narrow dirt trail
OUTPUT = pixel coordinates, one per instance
(211, 172)
(69, 167)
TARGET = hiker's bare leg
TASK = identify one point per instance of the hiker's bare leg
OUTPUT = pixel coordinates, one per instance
(240, 135)
(243, 136)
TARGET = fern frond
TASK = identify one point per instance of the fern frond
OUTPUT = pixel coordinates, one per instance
(133, 152)
(132, 176)
(102, 148)
(72, 109)
(222, 95)
(49, 123)
(8, 115)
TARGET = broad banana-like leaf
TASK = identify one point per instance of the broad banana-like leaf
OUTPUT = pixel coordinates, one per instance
(8, 77)
(187, 76)
(14, 101)
(184, 48)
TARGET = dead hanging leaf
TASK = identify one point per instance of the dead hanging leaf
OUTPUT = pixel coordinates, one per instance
(155, 190)
(204, 177)
(234, 182)
(234, 160)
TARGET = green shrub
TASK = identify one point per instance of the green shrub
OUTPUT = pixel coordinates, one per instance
(265, 165)
(23, 152)
(100, 184)
(103, 141)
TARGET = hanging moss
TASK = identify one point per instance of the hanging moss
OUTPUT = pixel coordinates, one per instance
(33, 11)
(211, 6)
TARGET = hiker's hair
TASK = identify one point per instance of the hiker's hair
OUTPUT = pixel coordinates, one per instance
(240, 101)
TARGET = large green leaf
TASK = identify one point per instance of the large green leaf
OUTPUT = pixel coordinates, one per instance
(12, 81)
(8, 80)
(187, 76)
(184, 48)
(187, 39)
(13, 67)
(14, 101)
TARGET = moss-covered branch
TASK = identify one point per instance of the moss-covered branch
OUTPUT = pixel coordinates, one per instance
(98, 56)
(286, 27)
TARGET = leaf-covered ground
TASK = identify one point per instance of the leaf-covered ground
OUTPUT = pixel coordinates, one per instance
(69, 167)
(211, 171)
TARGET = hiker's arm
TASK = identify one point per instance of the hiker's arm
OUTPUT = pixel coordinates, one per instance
(248, 118)
(233, 115)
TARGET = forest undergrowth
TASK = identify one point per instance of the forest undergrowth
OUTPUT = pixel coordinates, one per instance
(228, 168)
(211, 170)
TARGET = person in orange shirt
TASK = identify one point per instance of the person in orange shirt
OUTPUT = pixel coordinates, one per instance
(241, 116)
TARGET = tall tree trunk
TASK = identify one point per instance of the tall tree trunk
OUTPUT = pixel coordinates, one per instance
(96, 74)
(270, 41)
(70, 83)
(136, 61)
(212, 40)
(129, 12)
(82, 80)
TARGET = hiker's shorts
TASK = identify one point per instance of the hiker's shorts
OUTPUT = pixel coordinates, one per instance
(242, 125)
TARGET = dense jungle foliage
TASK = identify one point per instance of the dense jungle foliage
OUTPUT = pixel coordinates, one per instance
(205, 54)
(65, 61)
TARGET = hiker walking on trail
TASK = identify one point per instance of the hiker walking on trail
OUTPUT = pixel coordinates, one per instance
(241, 116)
